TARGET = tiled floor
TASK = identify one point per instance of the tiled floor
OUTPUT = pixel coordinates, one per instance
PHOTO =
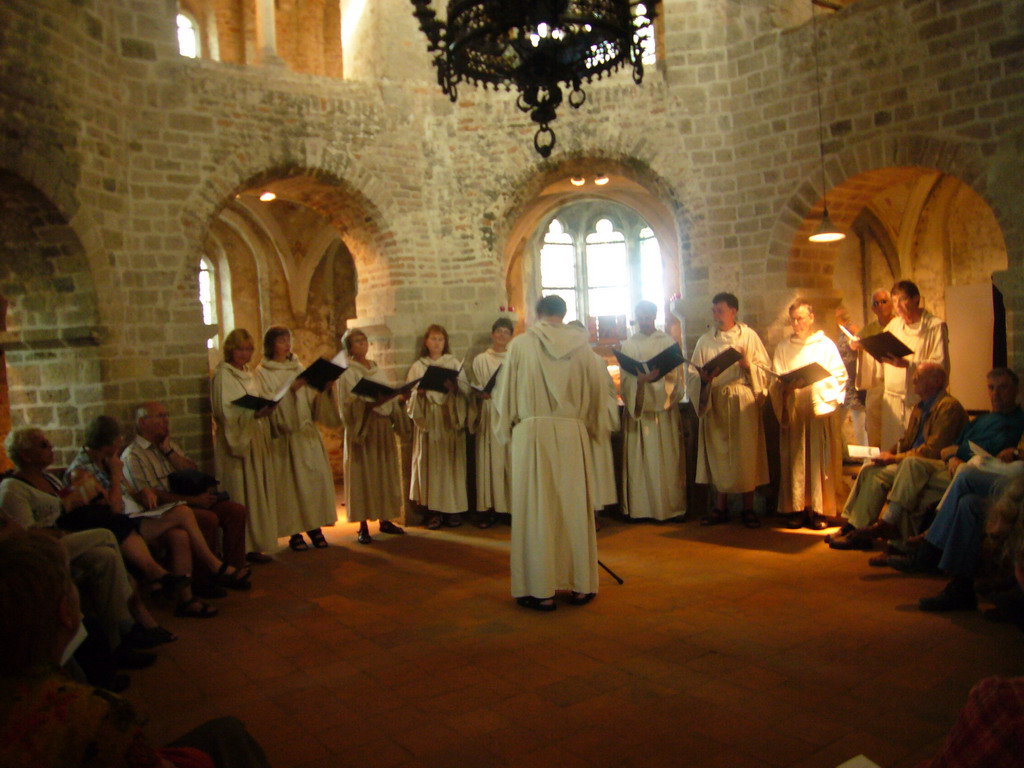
(725, 648)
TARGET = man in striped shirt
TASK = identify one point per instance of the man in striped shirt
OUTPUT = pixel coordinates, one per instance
(148, 462)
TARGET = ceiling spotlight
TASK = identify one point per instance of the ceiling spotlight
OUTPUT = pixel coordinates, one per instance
(267, 196)
(600, 179)
(577, 181)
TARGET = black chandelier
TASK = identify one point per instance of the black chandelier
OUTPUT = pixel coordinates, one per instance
(536, 47)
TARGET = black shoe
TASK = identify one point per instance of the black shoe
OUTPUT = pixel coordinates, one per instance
(128, 658)
(452, 521)
(537, 603)
(364, 537)
(386, 526)
(957, 596)
(795, 521)
(815, 522)
(143, 638)
(209, 591)
(846, 530)
(853, 541)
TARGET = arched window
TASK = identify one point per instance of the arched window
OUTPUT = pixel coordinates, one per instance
(602, 258)
(647, 34)
(208, 300)
(188, 36)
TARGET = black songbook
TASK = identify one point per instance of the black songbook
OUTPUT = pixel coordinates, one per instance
(435, 377)
(805, 376)
(321, 373)
(722, 360)
(486, 388)
(253, 402)
(665, 361)
(375, 390)
(882, 344)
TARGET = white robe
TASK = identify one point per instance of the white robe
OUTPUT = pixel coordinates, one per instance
(653, 462)
(929, 341)
(373, 469)
(241, 452)
(731, 453)
(869, 378)
(549, 398)
(303, 484)
(810, 443)
(493, 458)
(605, 492)
(439, 442)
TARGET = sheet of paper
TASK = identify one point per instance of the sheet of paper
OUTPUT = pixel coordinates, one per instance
(977, 450)
(863, 451)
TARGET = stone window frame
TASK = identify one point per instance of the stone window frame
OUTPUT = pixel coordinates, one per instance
(579, 219)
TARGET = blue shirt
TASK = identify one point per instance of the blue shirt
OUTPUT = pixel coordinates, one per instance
(992, 431)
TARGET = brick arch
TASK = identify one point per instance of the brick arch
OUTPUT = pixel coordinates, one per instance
(540, 192)
(358, 220)
(852, 177)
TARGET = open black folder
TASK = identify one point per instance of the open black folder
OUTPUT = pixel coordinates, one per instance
(883, 344)
(722, 361)
(254, 402)
(803, 376)
(486, 388)
(665, 361)
(435, 377)
(321, 373)
(375, 390)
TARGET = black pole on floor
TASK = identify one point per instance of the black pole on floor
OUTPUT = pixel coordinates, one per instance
(610, 572)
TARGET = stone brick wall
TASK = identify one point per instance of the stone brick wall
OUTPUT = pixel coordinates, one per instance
(139, 149)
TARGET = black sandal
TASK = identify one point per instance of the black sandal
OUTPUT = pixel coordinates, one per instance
(195, 609)
(750, 518)
(170, 584)
(297, 543)
(317, 537)
(581, 598)
(433, 523)
(238, 580)
(537, 603)
(717, 517)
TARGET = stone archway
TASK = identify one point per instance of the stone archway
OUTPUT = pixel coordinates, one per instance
(52, 332)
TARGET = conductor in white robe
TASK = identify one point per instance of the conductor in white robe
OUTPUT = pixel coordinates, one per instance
(653, 462)
(548, 402)
(731, 452)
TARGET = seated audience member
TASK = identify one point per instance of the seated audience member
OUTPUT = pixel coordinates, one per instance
(97, 471)
(35, 498)
(49, 721)
(953, 542)
(920, 481)
(935, 422)
(150, 460)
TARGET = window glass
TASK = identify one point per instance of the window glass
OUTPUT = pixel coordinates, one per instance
(650, 56)
(188, 37)
(607, 271)
(206, 298)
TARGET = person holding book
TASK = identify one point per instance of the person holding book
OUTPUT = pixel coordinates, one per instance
(373, 470)
(936, 421)
(731, 452)
(241, 444)
(869, 370)
(928, 340)
(653, 462)
(299, 472)
(439, 415)
(548, 403)
(810, 446)
(492, 458)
